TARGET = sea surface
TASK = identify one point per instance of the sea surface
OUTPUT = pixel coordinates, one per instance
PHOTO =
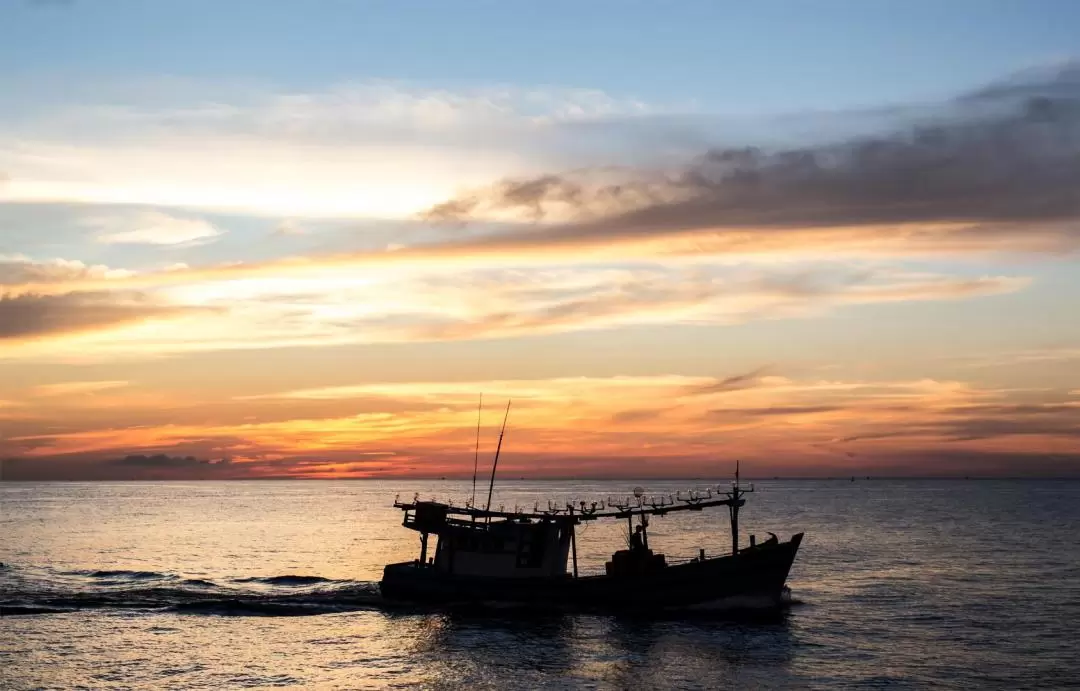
(223, 585)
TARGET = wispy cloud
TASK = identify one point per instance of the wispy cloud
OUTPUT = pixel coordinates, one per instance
(150, 228)
(75, 388)
(1025, 356)
(340, 306)
(373, 149)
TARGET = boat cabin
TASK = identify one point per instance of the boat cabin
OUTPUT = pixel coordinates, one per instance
(521, 544)
(503, 548)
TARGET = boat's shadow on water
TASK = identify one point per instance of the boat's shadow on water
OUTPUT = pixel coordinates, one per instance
(623, 650)
(508, 612)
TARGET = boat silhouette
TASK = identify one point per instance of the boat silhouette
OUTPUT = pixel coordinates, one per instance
(521, 557)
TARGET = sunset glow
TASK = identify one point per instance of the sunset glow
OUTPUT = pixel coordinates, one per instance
(233, 277)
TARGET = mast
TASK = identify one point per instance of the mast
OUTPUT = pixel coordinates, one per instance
(573, 540)
(491, 485)
(476, 456)
(736, 500)
(735, 513)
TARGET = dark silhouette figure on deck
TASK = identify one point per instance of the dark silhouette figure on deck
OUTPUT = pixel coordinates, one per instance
(637, 544)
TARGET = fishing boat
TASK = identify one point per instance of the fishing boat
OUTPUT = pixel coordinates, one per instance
(521, 557)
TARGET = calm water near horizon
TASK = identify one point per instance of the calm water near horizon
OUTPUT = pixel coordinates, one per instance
(188, 585)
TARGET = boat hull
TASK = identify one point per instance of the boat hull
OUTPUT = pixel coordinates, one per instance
(753, 578)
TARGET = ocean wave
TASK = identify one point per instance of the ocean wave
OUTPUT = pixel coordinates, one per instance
(286, 580)
(274, 608)
(114, 574)
(195, 600)
(128, 575)
(22, 610)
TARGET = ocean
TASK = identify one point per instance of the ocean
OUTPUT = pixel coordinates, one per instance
(222, 585)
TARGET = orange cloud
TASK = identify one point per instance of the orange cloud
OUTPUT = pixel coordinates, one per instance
(339, 306)
(75, 388)
(607, 426)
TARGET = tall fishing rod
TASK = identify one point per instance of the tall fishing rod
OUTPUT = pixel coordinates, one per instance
(491, 485)
(476, 456)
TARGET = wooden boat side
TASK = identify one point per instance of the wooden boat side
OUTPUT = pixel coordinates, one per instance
(758, 571)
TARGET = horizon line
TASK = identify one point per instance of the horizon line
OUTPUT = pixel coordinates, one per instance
(283, 478)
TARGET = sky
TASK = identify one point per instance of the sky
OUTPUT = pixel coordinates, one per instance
(279, 239)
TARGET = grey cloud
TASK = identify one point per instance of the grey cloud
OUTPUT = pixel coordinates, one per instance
(738, 382)
(1062, 78)
(165, 461)
(31, 316)
(990, 421)
(778, 411)
(15, 271)
(991, 427)
(997, 158)
(638, 415)
(91, 466)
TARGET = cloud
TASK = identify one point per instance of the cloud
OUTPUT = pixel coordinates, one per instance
(31, 316)
(998, 170)
(165, 461)
(391, 150)
(696, 296)
(339, 306)
(289, 227)
(131, 467)
(1023, 357)
(778, 410)
(375, 149)
(738, 382)
(75, 388)
(583, 426)
(151, 228)
(985, 421)
(18, 270)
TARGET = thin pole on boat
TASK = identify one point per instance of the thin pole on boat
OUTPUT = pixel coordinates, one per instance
(491, 485)
(573, 540)
(735, 513)
(476, 456)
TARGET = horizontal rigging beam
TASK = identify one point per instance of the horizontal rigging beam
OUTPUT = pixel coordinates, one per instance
(578, 515)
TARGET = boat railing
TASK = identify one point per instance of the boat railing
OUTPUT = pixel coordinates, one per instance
(582, 510)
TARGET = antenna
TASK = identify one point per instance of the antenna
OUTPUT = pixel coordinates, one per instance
(476, 456)
(491, 485)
